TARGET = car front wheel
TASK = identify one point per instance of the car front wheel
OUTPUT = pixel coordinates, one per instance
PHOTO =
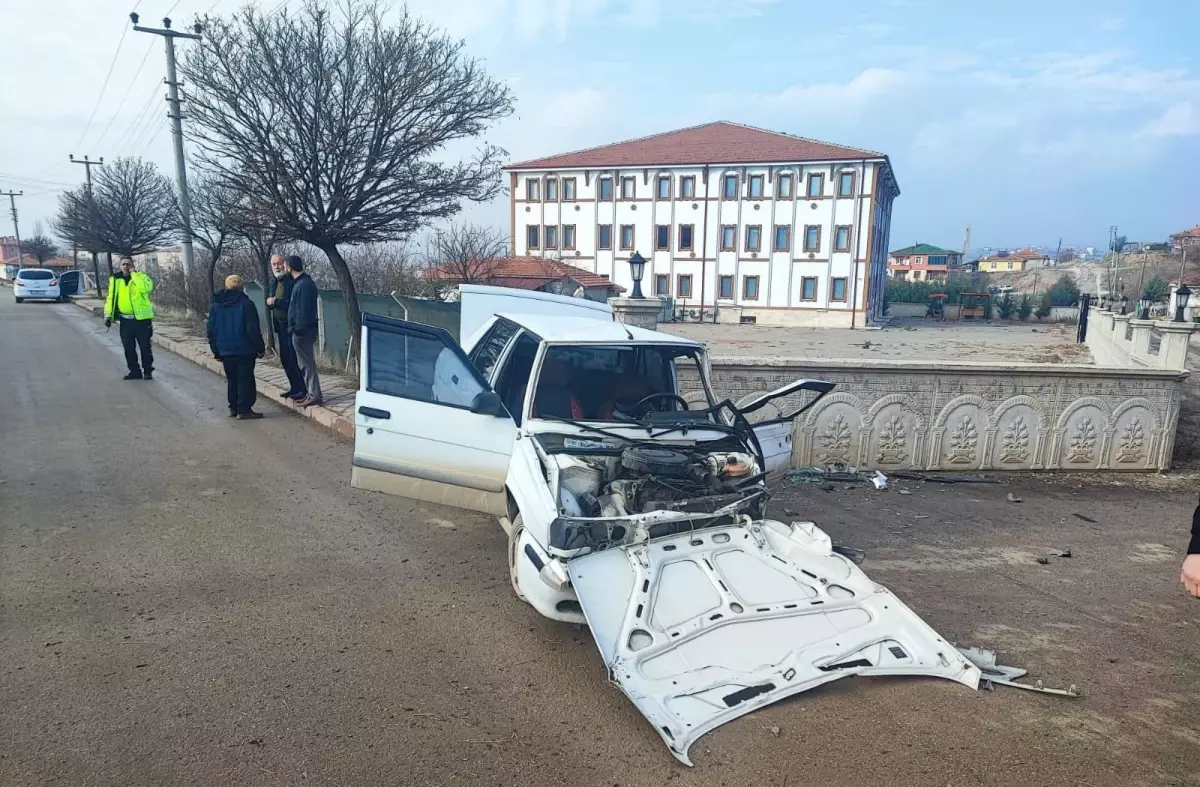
(19, 300)
(514, 553)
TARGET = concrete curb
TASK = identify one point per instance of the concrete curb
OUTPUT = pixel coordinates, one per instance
(331, 420)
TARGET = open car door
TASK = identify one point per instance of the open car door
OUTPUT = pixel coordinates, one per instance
(426, 424)
(700, 628)
(774, 434)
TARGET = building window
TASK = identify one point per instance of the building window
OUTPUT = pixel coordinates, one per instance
(551, 233)
(730, 187)
(753, 237)
(687, 186)
(662, 284)
(750, 288)
(916, 275)
(920, 260)
(568, 189)
(846, 184)
(626, 236)
(664, 187)
(812, 237)
(729, 238)
(783, 237)
(662, 237)
(808, 288)
(938, 260)
(785, 186)
(726, 286)
(1010, 262)
(841, 238)
(628, 188)
(756, 186)
(551, 189)
(837, 290)
(686, 231)
(683, 285)
(606, 188)
(531, 235)
(569, 236)
(604, 236)
(816, 185)
(531, 190)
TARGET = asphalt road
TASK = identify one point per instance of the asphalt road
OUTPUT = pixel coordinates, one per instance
(186, 599)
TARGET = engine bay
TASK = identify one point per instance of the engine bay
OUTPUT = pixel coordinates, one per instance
(611, 491)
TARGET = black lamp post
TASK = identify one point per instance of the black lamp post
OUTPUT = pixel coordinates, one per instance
(1144, 308)
(1124, 304)
(1181, 301)
(637, 266)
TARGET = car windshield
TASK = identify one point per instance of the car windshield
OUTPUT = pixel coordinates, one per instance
(612, 383)
(31, 275)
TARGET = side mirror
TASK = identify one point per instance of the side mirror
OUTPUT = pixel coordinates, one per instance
(488, 403)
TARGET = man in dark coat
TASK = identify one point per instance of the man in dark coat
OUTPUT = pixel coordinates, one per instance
(279, 304)
(1190, 575)
(236, 341)
(302, 322)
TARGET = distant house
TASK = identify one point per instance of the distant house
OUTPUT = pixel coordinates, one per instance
(165, 259)
(1011, 261)
(533, 273)
(923, 262)
(1186, 238)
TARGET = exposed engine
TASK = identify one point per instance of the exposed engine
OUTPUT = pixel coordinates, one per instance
(639, 479)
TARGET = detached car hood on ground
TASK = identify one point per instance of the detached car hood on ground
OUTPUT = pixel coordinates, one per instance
(701, 628)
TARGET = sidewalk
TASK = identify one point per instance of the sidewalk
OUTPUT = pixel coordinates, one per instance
(337, 414)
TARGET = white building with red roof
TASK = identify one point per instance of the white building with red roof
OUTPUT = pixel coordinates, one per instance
(766, 227)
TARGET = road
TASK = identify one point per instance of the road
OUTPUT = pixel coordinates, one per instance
(189, 600)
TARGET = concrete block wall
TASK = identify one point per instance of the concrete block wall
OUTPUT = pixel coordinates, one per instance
(962, 418)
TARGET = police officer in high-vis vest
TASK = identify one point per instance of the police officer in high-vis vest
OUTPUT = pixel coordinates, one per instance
(128, 304)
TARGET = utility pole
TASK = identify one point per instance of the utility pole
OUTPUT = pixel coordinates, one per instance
(1058, 252)
(12, 201)
(87, 165)
(176, 115)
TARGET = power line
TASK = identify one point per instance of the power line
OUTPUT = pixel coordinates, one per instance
(34, 181)
(125, 96)
(139, 122)
(103, 87)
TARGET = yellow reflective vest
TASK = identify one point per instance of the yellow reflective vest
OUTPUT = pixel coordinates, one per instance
(129, 297)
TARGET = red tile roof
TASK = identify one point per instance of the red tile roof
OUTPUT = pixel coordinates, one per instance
(529, 273)
(1194, 232)
(712, 143)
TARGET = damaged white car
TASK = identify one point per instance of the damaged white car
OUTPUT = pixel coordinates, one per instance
(629, 508)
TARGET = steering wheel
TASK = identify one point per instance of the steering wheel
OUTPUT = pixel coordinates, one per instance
(661, 395)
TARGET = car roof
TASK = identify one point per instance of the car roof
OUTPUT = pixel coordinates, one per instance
(43, 270)
(554, 328)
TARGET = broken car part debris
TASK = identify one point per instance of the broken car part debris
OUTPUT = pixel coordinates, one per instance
(993, 673)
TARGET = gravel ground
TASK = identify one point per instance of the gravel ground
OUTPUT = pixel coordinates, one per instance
(190, 600)
(902, 339)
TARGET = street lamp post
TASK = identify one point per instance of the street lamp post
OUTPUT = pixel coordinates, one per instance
(1181, 301)
(1124, 303)
(637, 267)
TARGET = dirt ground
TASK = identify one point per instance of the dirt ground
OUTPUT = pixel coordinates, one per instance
(901, 340)
(1111, 619)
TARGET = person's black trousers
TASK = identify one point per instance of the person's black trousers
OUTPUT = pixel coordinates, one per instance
(287, 357)
(135, 336)
(239, 382)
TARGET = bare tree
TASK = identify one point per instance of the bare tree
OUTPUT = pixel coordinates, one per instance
(39, 245)
(339, 123)
(216, 210)
(131, 209)
(464, 254)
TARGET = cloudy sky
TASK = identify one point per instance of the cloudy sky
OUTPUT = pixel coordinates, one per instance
(1028, 120)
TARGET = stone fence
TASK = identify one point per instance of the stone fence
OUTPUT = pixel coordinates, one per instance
(1123, 341)
(962, 417)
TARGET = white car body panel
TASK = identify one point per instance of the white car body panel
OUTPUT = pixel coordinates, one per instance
(700, 628)
(480, 303)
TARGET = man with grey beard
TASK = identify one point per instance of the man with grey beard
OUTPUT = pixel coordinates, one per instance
(278, 304)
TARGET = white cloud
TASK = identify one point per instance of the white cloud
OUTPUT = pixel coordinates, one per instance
(1179, 120)
(834, 97)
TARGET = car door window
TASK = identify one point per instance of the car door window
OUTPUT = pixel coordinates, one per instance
(421, 363)
(487, 353)
(514, 375)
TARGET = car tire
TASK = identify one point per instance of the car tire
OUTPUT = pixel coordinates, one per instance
(514, 538)
(19, 300)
